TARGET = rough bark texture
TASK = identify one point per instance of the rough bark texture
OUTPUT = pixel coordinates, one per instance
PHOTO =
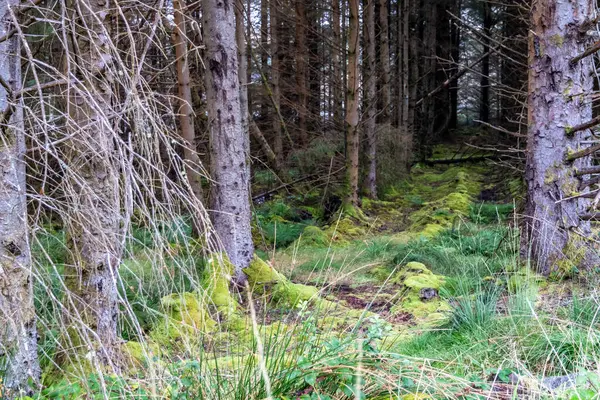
(352, 139)
(94, 214)
(186, 112)
(18, 337)
(371, 102)
(559, 97)
(229, 152)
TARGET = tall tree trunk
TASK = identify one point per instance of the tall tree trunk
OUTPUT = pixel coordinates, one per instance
(370, 101)
(186, 112)
(301, 70)
(484, 101)
(336, 82)
(243, 66)
(275, 79)
(352, 137)
(231, 213)
(18, 336)
(559, 97)
(264, 55)
(455, 56)
(384, 62)
(94, 214)
(411, 17)
(428, 111)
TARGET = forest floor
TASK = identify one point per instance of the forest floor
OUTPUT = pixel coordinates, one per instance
(421, 295)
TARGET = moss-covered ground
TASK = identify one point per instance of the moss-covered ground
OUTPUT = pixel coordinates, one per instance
(422, 297)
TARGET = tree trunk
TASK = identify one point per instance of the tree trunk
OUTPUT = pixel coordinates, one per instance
(384, 62)
(336, 59)
(264, 55)
(370, 101)
(352, 138)
(559, 97)
(301, 70)
(18, 336)
(243, 66)
(94, 214)
(231, 213)
(455, 55)
(484, 101)
(186, 112)
(275, 80)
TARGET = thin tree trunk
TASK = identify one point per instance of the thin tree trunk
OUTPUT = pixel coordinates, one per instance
(455, 55)
(18, 336)
(336, 59)
(275, 79)
(94, 215)
(371, 102)
(384, 62)
(231, 213)
(554, 235)
(186, 112)
(484, 103)
(264, 54)
(352, 137)
(301, 70)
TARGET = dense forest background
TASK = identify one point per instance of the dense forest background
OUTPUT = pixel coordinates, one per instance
(289, 199)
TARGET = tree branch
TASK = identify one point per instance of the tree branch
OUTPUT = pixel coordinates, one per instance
(586, 125)
(583, 153)
(588, 52)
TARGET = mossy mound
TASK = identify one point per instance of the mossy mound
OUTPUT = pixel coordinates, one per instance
(453, 200)
(264, 279)
(313, 236)
(345, 229)
(217, 277)
(186, 317)
(420, 297)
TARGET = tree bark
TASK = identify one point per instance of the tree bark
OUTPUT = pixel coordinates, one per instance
(275, 79)
(94, 215)
(18, 336)
(352, 138)
(301, 70)
(186, 112)
(559, 97)
(336, 60)
(231, 214)
(370, 101)
(384, 62)
(484, 101)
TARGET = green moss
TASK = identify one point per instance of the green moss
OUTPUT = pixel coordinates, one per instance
(262, 276)
(290, 294)
(185, 318)
(264, 279)
(313, 236)
(416, 278)
(345, 229)
(217, 277)
(573, 254)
